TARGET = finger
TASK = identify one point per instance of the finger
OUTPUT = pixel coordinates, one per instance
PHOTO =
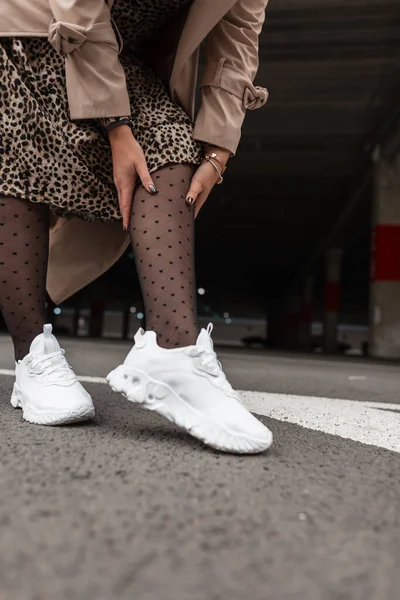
(195, 190)
(125, 197)
(145, 177)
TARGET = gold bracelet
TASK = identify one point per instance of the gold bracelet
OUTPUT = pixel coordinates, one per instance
(214, 156)
(211, 161)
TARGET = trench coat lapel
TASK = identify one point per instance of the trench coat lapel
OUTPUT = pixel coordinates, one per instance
(202, 18)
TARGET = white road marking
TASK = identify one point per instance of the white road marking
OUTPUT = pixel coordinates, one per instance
(7, 372)
(89, 379)
(357, 378)
(372, 423)
(86, 378)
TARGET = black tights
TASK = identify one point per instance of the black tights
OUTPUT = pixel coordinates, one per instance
(24, 247)
(162, 234)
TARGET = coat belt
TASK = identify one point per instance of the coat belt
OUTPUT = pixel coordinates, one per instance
(221, 74)
(68, 37)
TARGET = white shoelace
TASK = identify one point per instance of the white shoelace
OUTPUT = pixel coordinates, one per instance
(52, 367)
(211, 364)
(209, 359)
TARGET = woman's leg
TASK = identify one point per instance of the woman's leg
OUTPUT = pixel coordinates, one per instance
(45, 386)
(162, 234)
(24, 244)
(185, 385)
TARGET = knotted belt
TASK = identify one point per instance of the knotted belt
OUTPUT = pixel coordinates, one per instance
(226, 77)
(68, 37)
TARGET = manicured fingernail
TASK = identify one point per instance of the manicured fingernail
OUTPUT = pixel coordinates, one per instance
(124, 228)
(153, 189)
(189, 200)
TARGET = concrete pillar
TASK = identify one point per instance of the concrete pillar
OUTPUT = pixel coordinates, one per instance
(333, 264)
(305, 330)
(96, 318)
(275, 332)
(75, 319)
(126, 317)
(292, 322)
(384, 340)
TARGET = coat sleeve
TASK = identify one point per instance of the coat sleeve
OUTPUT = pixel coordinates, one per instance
(82, 31)
(227, 84)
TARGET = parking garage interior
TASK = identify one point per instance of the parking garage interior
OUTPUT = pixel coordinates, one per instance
(302, 187)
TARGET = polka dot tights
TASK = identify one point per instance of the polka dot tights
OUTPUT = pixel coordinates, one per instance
(162, 234)
(24, 247)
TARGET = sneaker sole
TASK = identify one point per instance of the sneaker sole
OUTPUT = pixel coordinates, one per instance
(158, 397)
(82, 412)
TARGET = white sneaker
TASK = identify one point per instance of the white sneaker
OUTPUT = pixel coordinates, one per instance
(46, 388)
(189, 388)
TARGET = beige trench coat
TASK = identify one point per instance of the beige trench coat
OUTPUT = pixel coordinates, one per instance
(81, 30)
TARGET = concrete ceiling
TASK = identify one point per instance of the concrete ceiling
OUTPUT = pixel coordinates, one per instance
(332, 68)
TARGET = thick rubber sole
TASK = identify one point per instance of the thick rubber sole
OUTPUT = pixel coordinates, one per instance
(80, 412)
(157, 396)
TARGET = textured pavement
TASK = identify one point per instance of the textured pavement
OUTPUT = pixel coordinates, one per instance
(130, 508)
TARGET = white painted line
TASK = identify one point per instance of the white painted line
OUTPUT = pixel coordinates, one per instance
(89, 379)
(86, 378)
(372, 423)
(382, 405)
(357, 378)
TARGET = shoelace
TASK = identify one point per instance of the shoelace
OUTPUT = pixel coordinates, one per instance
(210, 362)
(53, 363)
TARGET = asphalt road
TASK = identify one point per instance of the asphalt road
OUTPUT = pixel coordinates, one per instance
(128, 507)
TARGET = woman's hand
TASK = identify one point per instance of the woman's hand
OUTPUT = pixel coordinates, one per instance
(129, 165)
(204, 179)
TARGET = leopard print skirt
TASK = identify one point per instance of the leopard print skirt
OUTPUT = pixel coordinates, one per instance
(45, 157)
